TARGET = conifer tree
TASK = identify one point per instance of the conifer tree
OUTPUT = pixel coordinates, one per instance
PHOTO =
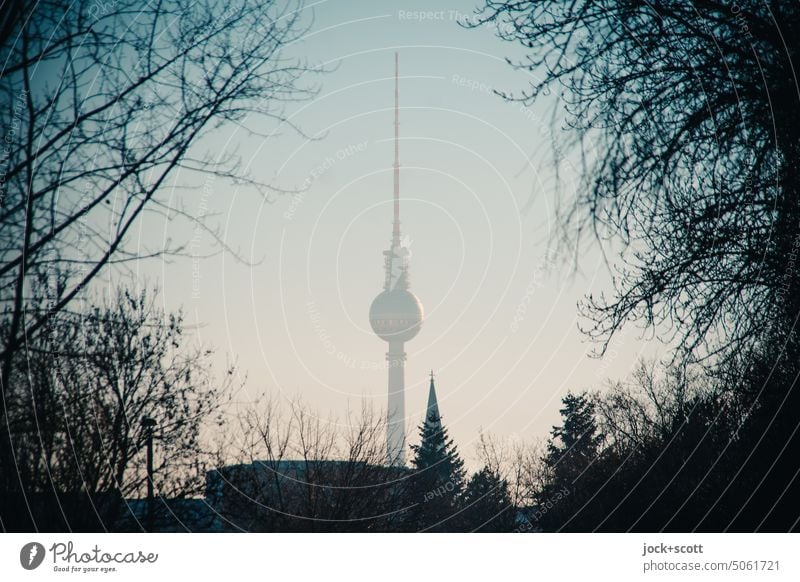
(574, 444)
(437, 484)
(572, 451)
(487, 503)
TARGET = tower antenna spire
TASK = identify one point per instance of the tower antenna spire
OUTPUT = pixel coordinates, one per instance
(396, 314)
(396, 225)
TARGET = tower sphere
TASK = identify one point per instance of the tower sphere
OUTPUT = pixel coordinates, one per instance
(396, 315)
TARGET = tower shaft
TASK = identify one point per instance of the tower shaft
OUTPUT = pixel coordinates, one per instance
(396, 356)
(396, 314)
(396, 411)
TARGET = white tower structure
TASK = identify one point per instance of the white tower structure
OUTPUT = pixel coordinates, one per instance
(396, 314)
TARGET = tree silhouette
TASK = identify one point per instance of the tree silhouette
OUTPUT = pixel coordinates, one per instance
(75, 415)
(687, 115)
(572, 450)
(487, 503)
(103, 105)
(298, 472)
(437, 483)
(575, 444)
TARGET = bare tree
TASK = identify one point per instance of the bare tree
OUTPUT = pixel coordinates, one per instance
(103, 104)
(517, 462)
(296, 471)
(686, 114)
(75, 416)
(644, 408)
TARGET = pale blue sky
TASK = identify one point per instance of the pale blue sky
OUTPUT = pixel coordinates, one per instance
(501, 321)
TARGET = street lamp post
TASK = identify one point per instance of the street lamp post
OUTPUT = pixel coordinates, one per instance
(149, 424)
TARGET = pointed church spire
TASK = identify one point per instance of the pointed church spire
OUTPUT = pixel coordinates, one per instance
(432, 418)
(438, 480)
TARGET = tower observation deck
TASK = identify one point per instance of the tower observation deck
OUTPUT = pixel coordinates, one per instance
(396, 314)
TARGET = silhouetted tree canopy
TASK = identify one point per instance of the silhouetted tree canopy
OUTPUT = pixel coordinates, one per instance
(103, 103)
(687, 118)
(75, 408)
(575, 444)
(487, 503)
(436, 486)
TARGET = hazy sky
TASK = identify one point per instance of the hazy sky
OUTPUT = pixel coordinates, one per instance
(478, 202)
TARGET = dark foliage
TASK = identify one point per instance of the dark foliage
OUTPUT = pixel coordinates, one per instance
(76, 400)
(487, 503)
(687, 117)
(100, 105)
(436, 485)
(679, 454)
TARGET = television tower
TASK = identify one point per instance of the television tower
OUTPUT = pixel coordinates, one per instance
(396, 314)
